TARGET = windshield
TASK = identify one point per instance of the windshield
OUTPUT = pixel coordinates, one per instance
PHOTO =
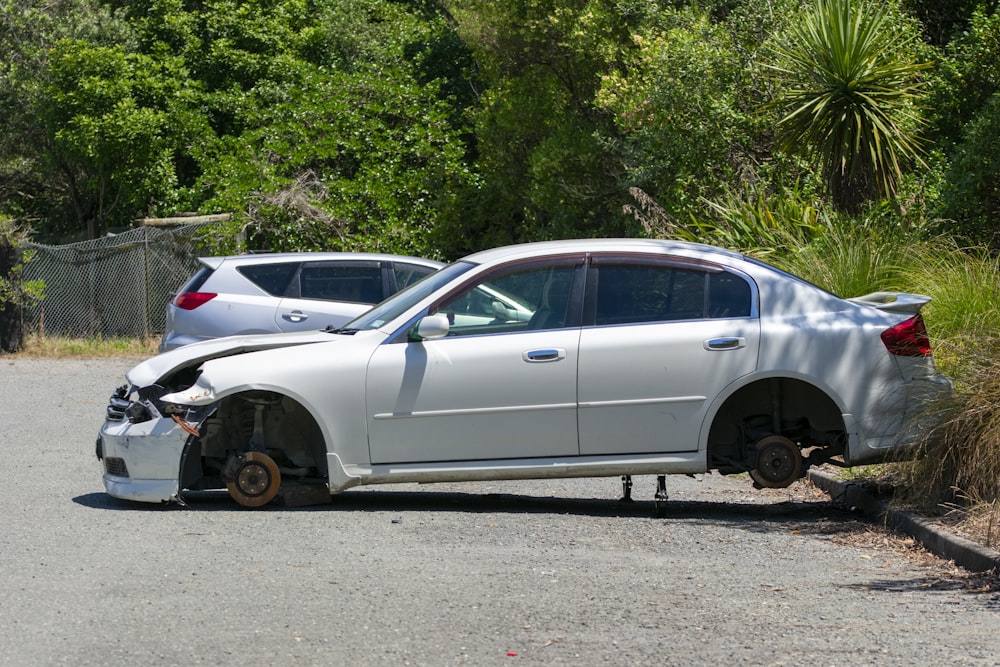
(401, 302)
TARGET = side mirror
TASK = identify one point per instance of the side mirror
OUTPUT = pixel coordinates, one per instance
(430, 328)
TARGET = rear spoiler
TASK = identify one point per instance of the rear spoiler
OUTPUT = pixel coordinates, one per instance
(893, 302)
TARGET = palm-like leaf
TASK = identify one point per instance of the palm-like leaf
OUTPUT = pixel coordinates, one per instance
(847, 91)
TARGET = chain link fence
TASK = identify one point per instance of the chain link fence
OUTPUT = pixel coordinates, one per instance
(117, 286)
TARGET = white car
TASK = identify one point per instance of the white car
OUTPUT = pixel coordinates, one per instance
(598, 358)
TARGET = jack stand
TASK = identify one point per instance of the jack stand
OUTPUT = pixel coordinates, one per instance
(626, 489)
(661, 497)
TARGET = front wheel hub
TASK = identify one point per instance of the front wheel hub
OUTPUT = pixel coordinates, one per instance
(254, 479)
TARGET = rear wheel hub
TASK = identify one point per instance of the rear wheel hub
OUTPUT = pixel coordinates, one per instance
(779, 462)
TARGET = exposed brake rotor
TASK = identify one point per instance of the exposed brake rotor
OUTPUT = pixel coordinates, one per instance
(255, 479)
(779, 462)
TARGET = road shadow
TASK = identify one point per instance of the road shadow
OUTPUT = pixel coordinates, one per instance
(420, 501)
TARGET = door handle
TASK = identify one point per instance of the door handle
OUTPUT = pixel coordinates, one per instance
(295, 316)
(541, 356)
(733, 343)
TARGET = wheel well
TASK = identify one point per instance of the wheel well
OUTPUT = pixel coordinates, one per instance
(267, 421)
(787, 407)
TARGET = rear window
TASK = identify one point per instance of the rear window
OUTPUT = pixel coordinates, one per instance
(197, 280)
(272, 278)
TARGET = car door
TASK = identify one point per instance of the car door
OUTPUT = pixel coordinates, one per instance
(665, 338)
(501, 385)
(329, 293)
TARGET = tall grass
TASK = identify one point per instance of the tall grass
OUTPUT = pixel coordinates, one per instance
(964, 284)
(959, 460)
(848, 259)
(58, 347)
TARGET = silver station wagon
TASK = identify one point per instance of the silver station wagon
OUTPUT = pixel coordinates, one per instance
(283, 292)
(558, 359)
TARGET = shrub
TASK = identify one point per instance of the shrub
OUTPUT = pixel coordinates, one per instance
(15, 292)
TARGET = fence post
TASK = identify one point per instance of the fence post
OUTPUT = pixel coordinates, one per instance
(147, 293)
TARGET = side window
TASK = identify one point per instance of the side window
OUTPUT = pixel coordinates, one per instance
(632, 293)
(728, 296)
(530, 299)
(272, 278)
(330, 282)
(407, 274)
(648, 293)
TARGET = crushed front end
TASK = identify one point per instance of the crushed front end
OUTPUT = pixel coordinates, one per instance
(142, 447)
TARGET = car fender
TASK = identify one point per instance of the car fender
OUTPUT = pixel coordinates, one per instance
(746, 380)
(322, 378)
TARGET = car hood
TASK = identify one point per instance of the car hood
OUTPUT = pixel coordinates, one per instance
(152, 370)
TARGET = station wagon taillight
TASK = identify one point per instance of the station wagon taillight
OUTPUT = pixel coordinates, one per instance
(191, 300)
(908, 338)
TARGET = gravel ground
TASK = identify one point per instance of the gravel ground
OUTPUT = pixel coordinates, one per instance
(544, 572)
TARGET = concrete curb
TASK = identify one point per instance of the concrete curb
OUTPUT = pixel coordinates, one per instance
(963, 552)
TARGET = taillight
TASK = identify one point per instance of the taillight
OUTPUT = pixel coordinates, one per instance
(191, 300)
(908, 338)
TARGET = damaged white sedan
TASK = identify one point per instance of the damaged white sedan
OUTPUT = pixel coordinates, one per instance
(559, 359)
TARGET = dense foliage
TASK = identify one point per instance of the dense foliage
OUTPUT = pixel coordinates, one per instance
(442, 126)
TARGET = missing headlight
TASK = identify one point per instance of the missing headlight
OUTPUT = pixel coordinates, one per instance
(138, 413)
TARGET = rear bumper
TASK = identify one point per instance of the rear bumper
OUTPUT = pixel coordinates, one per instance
(923, 397)
(172, 341)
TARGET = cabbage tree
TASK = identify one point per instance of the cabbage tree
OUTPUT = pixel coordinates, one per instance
(848, 85)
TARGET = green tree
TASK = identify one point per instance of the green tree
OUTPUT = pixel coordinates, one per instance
(30, 189)
(677, 107)
(112, 131)
(941, 21)
(329, 128)
(848, 86)
(972, 192)
(15, 291)
(543, 171)
(967, 76)
(353, 161)
(964, 109)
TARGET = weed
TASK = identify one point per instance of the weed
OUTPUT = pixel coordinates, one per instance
(60, 348)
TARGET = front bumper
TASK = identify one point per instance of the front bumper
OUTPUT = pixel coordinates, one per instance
(142, 461)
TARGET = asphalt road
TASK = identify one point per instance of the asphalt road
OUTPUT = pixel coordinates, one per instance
(547, 572)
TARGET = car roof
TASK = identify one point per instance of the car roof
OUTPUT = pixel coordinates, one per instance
(274, 257)
(654, 246)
